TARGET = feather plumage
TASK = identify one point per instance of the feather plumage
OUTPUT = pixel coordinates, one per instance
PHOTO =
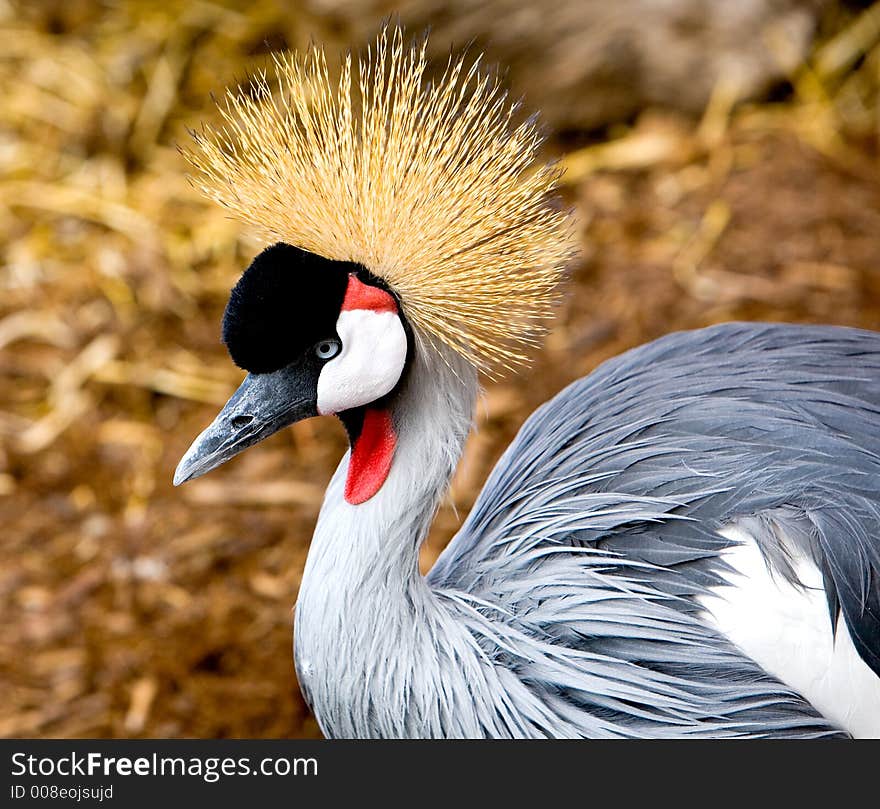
(571, 603)
(432, 186)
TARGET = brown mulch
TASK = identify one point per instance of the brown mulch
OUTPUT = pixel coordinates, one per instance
(131, 608)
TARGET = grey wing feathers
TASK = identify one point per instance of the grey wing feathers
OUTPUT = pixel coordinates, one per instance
(641, 462)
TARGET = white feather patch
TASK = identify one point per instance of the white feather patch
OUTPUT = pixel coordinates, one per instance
(787, 630)
(369, 364)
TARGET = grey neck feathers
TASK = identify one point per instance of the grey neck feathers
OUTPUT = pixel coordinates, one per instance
(364, 613)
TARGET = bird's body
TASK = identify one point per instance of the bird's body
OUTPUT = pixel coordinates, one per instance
(581, 596)
(684, 543)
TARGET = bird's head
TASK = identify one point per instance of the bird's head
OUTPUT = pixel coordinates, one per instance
(406, 214)
(317, 337)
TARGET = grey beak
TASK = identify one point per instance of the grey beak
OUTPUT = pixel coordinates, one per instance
(262, 405)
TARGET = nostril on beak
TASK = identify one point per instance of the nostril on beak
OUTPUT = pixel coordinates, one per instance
(241, 421)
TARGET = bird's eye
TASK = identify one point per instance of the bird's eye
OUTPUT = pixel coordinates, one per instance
(327, 349)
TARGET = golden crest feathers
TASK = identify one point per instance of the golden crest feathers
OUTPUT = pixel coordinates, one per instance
(429, 185)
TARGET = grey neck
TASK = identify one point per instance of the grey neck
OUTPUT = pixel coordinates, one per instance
(364, 613)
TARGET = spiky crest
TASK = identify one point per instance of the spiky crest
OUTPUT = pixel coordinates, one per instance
(432, 186)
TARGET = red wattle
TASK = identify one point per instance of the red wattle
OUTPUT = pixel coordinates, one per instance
(371, 457)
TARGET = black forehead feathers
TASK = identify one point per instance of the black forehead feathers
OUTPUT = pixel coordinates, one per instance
(284, 303)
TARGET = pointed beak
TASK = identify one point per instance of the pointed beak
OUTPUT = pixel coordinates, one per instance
(262, 405)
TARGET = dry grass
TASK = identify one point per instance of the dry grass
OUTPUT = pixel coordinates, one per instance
(132, 608)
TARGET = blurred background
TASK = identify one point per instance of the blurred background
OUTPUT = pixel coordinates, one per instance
(723, 161)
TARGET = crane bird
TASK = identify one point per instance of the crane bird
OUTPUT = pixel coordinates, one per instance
(685, 543)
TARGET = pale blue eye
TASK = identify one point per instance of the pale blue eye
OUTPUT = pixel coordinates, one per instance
(327, 349)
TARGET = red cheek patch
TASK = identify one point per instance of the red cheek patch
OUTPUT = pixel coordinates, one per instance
(371, 457)
(359, 295)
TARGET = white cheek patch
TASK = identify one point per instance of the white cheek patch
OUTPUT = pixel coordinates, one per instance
(369, 365)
